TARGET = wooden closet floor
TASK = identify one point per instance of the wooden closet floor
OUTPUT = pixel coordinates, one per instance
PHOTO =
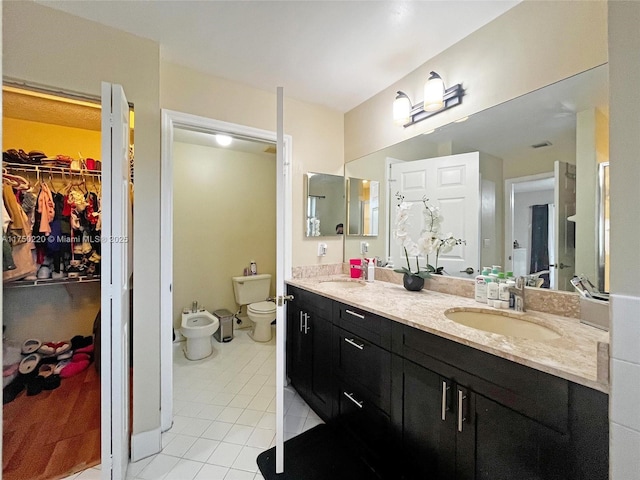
(55, 433)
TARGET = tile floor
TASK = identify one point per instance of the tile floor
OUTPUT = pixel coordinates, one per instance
(224, 416)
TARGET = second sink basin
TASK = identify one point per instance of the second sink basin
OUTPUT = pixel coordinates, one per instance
(503, 324)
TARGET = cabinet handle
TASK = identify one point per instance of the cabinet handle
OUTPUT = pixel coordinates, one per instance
(306, 323)
(445, 404)
(301, 322)
(355, 314)
(350, 397)
(351, 341)
(461, 418)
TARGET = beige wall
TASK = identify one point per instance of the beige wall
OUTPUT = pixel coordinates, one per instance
(48, 47)
(224, 216)
(51, 139)
(532, 45)
(317, 132)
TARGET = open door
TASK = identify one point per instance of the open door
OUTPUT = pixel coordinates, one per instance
(453, 184)
(115, 283)
(563, 267)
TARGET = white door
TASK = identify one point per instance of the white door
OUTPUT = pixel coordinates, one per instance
(283, 269)
(115, 283)
(562, 270)
(451, 183)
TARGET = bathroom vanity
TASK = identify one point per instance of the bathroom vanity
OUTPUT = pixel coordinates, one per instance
(422, 396)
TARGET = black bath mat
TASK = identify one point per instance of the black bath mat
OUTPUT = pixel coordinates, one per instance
(317, 454)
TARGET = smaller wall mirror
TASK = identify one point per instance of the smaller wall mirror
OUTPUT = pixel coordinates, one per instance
(325, 209)
(363, 198)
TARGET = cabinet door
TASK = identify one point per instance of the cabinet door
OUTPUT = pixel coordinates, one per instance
(317, 342)
(496, 443)
(428, 424)
(297, 367)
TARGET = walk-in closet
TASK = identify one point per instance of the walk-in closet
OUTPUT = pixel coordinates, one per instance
(52, 189)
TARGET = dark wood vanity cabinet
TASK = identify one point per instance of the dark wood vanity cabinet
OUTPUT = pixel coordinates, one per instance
(309, 331)
(424, 407)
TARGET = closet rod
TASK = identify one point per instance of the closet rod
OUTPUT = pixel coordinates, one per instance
(38, 169)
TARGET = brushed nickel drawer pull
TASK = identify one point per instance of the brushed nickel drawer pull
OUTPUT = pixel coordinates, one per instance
(355, 314)
(351, 341)
(445, 407)
(350, 397)
(461, 418)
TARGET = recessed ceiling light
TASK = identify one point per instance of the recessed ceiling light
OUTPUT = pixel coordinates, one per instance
(223, 140)
(460, 120)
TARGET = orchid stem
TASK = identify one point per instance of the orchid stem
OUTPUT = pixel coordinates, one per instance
(406, 255)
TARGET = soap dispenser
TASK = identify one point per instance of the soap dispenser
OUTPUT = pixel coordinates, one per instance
(371, 270)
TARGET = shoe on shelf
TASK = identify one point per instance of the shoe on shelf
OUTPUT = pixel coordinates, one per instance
(44, 272)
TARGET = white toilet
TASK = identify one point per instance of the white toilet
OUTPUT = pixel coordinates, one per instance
(253, 292)
(197, 328)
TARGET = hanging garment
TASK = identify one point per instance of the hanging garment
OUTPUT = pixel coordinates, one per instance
(46, 209)
(17, 228)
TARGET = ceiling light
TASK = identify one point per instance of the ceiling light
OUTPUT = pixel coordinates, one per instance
(223, 140)
(460, 120)
(436, 100)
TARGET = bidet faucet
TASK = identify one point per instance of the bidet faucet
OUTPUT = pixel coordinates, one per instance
(518, 292)
(194, 306)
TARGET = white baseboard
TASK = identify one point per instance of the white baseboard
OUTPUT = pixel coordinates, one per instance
(145, 444)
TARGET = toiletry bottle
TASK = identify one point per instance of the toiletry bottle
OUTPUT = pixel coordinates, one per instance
(371, 271)
(253, 268)
(492, 291)
(481, 288)
(511, 283)
(503, 288)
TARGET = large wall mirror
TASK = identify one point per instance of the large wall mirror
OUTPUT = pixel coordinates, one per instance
(325, 209)
(538, 164)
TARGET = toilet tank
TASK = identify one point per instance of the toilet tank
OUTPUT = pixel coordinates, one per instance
(252, 288)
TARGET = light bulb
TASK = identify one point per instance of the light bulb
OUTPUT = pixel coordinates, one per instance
(433, 93)
(401, 109)
(223, 140)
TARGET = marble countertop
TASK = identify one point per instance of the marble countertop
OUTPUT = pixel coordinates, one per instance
(573, 356)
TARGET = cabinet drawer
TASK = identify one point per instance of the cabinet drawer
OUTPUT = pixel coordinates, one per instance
(367, 424)
(311, 301)
(360, 361)
(364, 324)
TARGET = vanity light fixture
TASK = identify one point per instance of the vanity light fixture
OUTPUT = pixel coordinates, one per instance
(436, 100)
(223, 140)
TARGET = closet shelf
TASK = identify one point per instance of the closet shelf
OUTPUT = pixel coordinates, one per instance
(50, 281)
(25, 167)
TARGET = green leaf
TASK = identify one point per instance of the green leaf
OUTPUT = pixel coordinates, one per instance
(403, 270)
(423, 274)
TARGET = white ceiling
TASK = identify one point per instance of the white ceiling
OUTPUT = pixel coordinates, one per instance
(333, 53)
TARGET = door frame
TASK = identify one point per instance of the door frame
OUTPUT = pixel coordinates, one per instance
(169, 122)
(509, 183)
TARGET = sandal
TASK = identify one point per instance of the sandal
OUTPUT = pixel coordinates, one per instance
(29, 364)
(31, 346)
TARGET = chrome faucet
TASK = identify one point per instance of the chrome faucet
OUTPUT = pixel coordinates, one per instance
(518, 292)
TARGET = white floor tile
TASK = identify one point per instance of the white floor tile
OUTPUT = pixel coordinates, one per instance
(212, 472)
(230, 414)
(222, 399)
(217, 430)
(238, 475)
(246, 459)
(89, 474)
(310, 423)
(201, 450)
(258, 379)
(158, 467)
(261, 438)
(136, 467)
(210, 412)
(238, 434)
(298, 409)
(293, 424)
(258, 476)
(268, 420)
(167, 437)
(241, 401)
(250, 417)
(225, 454)
(261, 402)
(179, 445)
(184, 470)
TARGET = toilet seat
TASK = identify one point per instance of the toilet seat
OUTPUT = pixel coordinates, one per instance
(262, 307)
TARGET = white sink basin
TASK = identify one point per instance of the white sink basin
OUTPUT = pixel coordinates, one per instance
(502, 324)
(344, 284)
